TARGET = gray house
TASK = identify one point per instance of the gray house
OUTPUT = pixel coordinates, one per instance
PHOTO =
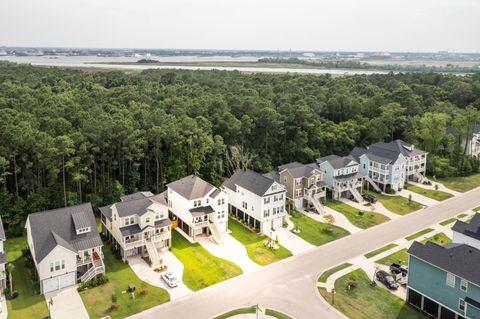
(65, 246)
(304, 184)
(342, 176)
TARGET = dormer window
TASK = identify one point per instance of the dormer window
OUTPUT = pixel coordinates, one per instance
(83, 230)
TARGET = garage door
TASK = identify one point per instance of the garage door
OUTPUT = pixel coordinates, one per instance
(59, 282)
(50, 285)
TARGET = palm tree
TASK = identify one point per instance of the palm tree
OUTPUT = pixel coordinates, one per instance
(10, 268)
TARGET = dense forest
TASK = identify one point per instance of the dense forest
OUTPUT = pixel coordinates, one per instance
(68, 136)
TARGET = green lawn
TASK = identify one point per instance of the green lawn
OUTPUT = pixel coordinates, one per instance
(460, 183)
(397, 204)
(380, 250)
(476, 209)
(361, 220)
(400, 257)
(418, 234)
(255, 244)
(314, 232)
(366, 301)
(448, 221)
(98, 300)
(27, 304)
(202, 269)
(324, 276)
(440, 239)
(433, 194)
(462, 215)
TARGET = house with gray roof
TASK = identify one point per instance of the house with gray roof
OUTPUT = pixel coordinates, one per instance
(416, 166)
(467, 233)
(304, 184)
(342, 176)
(3, 257)
(138, 225)
(256, 199)
(382, 168)
(65, 246)
(444, 281)
(198, 208)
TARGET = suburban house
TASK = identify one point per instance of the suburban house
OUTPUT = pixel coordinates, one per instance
(3, 257)
(416, 159)
(65, 246)
(382, 168)
(256, 199)
(444, 281)
(472, 144)
(200, 208)
(303, 182)
(138, 225)
(342, 176)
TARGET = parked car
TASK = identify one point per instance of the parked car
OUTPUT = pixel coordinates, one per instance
(369, 198)
(386, 279)
(352, 198)
(398, 269)
(170, 279)
(402, 280)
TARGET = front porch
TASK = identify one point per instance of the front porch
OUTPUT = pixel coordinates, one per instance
(90, 264)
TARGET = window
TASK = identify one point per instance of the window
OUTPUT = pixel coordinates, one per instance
(132, 220)
(464, 285)
(127, 221)
(281, 196)
(63, 264)
(57, 265)
(197, 203)
(244, 205)
(266, 200)
(274, 187)
(461, 304)
(275, 198)
(221, 201)
(266, 212)
(285, 179)
(157, 216)
(51, 267)
(147, 220)
(451, 280)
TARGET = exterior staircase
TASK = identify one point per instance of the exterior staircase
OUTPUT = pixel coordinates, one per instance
(97, 268)
(152, 253)
(215, 233)
(374, 185)
(355, 193)
(420, 178)
(318, 206)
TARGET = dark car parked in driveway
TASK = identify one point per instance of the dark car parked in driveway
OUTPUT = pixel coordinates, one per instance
(369, 198)
(386, 279)
(398, 269)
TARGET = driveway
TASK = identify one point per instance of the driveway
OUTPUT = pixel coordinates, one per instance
(441, 187)
(378, 208)
(290, 285)
(232, 250)
(146, 273)
(292, 242)
(424, 200)
(66, 304)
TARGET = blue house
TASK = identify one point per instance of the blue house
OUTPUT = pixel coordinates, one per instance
(444, 281)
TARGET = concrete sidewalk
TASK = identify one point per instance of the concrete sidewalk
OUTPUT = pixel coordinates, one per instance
(340, 219)
(441, 187)
(378, 208)
(290, 241)
(424, 200)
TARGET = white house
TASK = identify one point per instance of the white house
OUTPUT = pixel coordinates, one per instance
(3, 257)
(382, 168)
(342, 176)
(256, 199)
(139, 224)
(199, 208)
(416, 159)
(467, 233)
(65, 246)
(304, 184)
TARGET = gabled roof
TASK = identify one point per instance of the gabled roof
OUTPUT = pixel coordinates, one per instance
(56, 227)
(134, 196)
(459, 259)
(191, 187)
(374, 154)
(397, 147)
(2, 232)
(298, 170)
(273, 175)
(134, 206)
(471, 229)
(250, 180)
(337, 161)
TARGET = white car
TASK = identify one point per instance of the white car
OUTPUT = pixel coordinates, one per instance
(170, 279)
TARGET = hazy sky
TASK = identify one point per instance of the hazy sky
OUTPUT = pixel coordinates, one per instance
(378, 25)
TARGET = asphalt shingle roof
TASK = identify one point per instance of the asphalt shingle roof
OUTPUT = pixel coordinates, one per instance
(471, 229)
(134, 206)
(200, 211)
(379, 155)
(56, 227)
(250, 180)
(298, 170)
(397, 147)
(134, 196)
(459, 259)
(191, 187)
(337, 161)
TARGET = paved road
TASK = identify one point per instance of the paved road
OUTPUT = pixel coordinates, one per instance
(290, 285)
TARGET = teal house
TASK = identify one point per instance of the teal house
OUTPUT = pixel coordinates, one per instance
(444, 281)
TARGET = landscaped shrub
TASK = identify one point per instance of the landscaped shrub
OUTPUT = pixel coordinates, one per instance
(8, 295)
(360, 213)
(115, 307)
(100, 280)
